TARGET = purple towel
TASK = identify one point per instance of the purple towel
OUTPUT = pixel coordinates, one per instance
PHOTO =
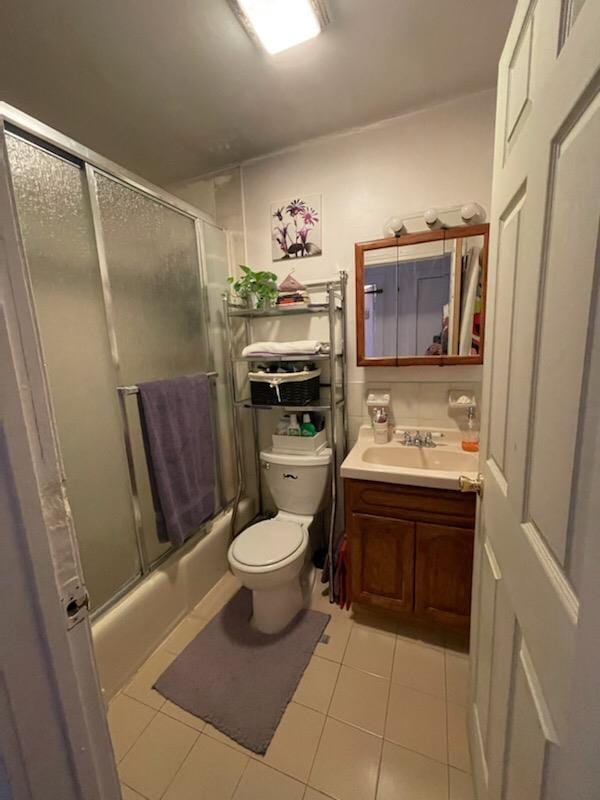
(178, 437)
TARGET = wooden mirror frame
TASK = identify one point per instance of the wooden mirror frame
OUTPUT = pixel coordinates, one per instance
(458, 232)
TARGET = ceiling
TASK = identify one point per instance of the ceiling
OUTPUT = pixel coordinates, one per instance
(173, 89)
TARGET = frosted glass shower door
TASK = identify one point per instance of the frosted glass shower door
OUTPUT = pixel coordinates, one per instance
(158, 309)
(217, 270)
(56, 227)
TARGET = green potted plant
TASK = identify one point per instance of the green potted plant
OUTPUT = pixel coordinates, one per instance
(258, 289)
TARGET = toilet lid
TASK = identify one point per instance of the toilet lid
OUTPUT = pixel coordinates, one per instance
(267, 543)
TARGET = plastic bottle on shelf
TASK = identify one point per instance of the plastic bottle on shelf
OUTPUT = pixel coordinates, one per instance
(283, 424)
(293, 427)
(307, 428)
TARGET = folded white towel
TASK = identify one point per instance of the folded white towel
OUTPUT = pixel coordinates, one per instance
(303, 347)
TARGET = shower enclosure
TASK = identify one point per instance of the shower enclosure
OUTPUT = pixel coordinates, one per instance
(125, 281)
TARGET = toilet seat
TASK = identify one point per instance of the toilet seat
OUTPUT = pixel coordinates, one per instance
(267, 544)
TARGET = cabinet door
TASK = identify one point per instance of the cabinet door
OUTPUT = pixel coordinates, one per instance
(444, 565)
(382, 553)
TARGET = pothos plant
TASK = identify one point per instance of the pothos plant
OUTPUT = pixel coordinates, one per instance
(260, 285)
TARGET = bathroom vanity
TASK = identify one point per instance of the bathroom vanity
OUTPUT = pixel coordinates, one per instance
(410, 530)
(411, 550)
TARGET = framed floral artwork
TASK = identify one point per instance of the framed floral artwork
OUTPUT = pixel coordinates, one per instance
(296, 228)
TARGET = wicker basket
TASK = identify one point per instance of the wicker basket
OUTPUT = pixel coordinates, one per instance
(284, 389)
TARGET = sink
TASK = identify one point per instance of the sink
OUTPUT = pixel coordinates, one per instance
(437, 458)
(438, 467)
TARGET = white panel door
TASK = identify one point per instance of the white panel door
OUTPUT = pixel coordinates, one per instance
(531, 551)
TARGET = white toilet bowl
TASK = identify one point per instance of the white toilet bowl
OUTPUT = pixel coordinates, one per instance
(269, 556)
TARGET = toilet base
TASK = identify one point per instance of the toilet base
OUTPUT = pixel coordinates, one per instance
(273, 609)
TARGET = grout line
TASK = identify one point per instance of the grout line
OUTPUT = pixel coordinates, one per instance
(179, 768)
(137, 791)
(137, 738)
(237, 786)
(385, 721)
(447, 726)
(340, 664)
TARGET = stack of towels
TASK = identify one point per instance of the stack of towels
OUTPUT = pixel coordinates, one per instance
(305, 347)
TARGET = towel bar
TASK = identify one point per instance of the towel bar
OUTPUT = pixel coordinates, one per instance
(145, 564)
(134, 389)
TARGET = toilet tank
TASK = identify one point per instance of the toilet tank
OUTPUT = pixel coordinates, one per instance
(297, 482)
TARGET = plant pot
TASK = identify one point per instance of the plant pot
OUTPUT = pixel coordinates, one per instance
(261, 303)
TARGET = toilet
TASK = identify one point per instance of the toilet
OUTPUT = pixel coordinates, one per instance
(269, 556)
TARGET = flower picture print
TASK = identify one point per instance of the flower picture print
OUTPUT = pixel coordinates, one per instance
(296, 228)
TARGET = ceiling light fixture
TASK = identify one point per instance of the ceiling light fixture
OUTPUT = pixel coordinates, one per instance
(277, 25)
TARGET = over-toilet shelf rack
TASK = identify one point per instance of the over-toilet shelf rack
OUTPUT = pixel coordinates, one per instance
(331, 405)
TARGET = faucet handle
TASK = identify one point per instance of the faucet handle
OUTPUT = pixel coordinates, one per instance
(428, 440)
(407, 439)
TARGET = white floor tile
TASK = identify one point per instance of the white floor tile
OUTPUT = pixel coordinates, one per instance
(294, 745)
(370, 651)
(405, 774)
(417, 721)
(211, 771)
(360, 699)
(317, 684)
(458, 743)
(152, 762)
(260, 782)
(127, 718)
(419, 666)
(457, 677)
(140, 687)
(183, 634)
(347, 762)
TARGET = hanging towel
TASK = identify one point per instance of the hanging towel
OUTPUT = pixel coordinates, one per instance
(303, 347)
(339, 572)
(178, 437)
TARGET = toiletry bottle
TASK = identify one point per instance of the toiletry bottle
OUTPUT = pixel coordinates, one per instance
(470, 437)
(294, 427)
(307, 428)
(283, 423)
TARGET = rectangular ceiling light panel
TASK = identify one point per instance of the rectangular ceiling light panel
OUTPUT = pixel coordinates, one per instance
(281, 24)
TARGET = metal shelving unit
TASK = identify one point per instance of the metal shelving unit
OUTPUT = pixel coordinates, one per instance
(335, 309)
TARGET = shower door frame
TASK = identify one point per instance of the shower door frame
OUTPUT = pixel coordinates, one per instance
(54, 738)
(42, 135)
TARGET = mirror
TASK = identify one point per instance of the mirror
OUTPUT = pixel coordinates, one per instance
(420, 298)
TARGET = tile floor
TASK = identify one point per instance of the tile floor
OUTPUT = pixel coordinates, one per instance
(378, 715)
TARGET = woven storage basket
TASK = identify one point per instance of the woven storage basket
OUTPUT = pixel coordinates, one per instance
(288, 389)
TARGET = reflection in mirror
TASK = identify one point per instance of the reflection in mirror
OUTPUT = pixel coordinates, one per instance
(422, 297)
(381, 302)
(471, 296)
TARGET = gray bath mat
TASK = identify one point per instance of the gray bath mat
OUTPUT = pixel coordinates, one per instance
(238, 679)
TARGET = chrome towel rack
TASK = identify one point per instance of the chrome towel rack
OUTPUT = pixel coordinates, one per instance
(134, 388)
(123, 392)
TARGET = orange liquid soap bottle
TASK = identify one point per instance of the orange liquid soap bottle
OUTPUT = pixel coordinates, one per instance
(470, 438)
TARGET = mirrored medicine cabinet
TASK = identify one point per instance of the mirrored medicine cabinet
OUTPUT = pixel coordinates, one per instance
(420, 298)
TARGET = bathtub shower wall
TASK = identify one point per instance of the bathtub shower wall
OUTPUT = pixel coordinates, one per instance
(119, 298)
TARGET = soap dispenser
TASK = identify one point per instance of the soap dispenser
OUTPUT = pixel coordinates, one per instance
(380, 426)
(470, 437)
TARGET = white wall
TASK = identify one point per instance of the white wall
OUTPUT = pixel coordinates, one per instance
(440, 156)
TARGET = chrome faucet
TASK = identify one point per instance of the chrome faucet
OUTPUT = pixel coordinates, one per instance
(418, 439)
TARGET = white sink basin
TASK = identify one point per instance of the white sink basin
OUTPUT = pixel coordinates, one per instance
(437, 467)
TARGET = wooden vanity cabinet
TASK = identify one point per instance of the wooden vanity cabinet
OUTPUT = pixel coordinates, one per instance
(411, 550)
